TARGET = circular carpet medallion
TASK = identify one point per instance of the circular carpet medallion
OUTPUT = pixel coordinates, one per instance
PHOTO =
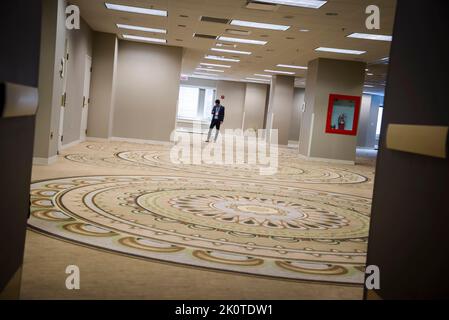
(247, 227)
(291, 169)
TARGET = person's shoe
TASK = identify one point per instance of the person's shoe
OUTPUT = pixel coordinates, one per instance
(207, 141)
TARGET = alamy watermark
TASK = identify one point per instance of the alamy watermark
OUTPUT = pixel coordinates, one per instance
(72, 282)
(72, 20)
(251, 149)
(372, 22)
(372, 281)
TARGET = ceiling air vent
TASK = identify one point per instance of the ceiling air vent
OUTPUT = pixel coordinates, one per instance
(204, 36)
(257, 5)
(214, 20)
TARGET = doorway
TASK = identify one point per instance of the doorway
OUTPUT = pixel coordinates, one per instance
(86, 99)
(63, 75)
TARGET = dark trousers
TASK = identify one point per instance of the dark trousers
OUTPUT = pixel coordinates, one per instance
(215, 123)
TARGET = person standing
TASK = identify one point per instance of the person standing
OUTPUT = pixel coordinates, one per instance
(218, 114)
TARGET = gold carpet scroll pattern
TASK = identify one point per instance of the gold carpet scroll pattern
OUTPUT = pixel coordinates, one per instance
(245, 227)
(291, 169)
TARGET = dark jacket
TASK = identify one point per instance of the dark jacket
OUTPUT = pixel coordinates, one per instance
(221, 113)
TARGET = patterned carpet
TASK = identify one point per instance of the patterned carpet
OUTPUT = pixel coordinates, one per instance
(287, 225)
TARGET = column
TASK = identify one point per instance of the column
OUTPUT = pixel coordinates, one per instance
(255, 102)
(104, 65)
(280, 106)
(326, 77)
(50, 81)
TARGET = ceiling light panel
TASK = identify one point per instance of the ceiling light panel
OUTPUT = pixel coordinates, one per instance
(342, 51)
(263, 75)
(279, 72)
(313, 4)
(119, 7)
(146, 39)
(205, 74)
(214, 65)
(218, 58)
(138, 28)
(240, 40)
(211, 70)
(291, 66)
(231, 51)
(259, 25)
(368, 36)
(260, 80)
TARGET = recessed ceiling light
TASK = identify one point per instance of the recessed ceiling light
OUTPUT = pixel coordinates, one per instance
(263, 75)
(227, 45)
(368, 86)
(214, 65)
(313, 4)
(255, 79)
(231, 51)
(146, 39)
(336, 50)
(259, 25)
(280, 72)
(119, 7)
(211, 70)
(291, 66)
(206, 74)
(368, 36)
(211, 57)
(126, 26)
(370, 74)
(239, 40)
(304, 30)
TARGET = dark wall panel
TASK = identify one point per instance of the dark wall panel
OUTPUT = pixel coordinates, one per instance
(410, 218)
(16, 153)
(20, 21)
(19, 54)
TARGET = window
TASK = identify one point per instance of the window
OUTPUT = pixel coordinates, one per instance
(188, 102)
(209, 98)
(195, 103)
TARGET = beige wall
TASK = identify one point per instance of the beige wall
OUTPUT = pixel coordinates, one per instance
(368, 121)
(255, 102)
(234, 102)
(147, 89)
(307, 117)
(50, 84)
(198, 82)
(280, 106)
(80, 45)
(364, 120)
(326, 76)
(104, 63)
(298, 100)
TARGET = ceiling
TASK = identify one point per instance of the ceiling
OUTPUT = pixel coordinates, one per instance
(328, 27)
